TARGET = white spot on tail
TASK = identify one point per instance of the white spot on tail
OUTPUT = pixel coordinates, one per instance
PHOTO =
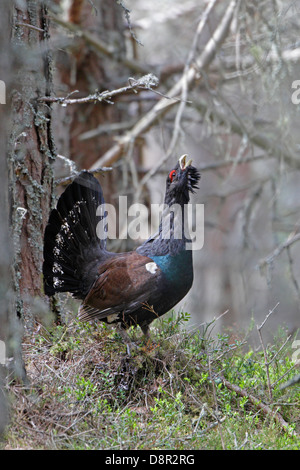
(151, 267)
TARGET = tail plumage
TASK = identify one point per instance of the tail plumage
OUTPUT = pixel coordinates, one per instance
(75, 241)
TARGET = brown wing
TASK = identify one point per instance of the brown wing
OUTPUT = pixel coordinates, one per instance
(124, 283)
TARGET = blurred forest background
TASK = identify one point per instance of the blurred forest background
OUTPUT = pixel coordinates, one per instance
(226, 95)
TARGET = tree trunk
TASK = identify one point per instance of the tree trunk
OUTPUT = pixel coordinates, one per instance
(31, 149)
(5, 245)
(81, 67)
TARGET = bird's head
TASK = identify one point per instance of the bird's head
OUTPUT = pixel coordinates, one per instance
(182, 180)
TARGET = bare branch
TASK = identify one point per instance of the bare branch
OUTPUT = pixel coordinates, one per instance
(267, 362)
(144, 83)
(295, 380)
(127, 16)
(100, 45)
(107, 129)
(230, 161)
(266, 409)
(166, 104)
(68, 179)
(184, 89)
(277, 252)
(272, 147)
(30, 26)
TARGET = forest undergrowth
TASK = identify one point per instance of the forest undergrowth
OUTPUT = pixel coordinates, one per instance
(185, 389)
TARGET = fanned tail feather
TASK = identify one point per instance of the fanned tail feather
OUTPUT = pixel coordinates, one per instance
(72, 248)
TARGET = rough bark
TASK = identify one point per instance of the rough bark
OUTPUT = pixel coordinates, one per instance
(5, 245)
(31, 149)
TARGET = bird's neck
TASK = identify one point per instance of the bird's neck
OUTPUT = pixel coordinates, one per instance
(172, 228)
(172, 235)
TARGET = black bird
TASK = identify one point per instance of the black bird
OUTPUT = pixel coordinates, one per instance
(126, 289)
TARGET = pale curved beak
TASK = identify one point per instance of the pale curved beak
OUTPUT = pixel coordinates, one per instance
(183, 163)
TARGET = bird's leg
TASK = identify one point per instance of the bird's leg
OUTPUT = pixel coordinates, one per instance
(146, 331)
(147, 337)
(129, 344)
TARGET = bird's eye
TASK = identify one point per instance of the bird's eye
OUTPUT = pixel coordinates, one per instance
(172, 175)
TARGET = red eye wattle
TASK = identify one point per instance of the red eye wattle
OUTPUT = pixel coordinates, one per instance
(172, 174)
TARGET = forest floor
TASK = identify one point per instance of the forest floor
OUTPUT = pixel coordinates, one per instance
(183, 390)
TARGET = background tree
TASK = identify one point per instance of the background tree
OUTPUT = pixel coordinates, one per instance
(5, 244)
(31, 149)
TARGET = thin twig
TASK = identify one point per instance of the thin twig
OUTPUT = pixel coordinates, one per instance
(214, 390)
(67, 179)
(266, 409)
(292, 238)
(165, 104)
(272, 147)
(292, 273)
(100, 46)
(279, 350)
(215, 401)
(295, 380)
(230, 161)
(184, 88)
(107, 129)
(31, 26)
(127, 16)
(267, 362)
(144, 83)
(282, 386)
(267, 316)
(193, 71)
